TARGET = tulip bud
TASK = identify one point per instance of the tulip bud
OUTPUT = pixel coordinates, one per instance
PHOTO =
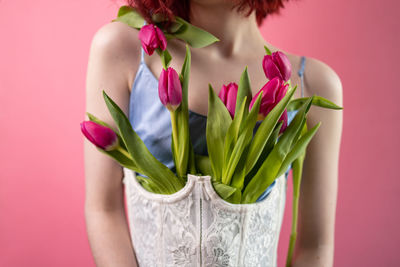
(277, 65)
(101, 136)
(228, 94)
(170, 89)
(152, 38)
(272, 92)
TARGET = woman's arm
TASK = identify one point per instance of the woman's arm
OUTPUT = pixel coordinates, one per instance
(318, 190)
(110, 68)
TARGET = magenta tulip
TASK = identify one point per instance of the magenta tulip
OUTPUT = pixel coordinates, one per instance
(152, 38)
(228, 94)
(277, 65)
(170, 89)
(272, 92)
(101, 136)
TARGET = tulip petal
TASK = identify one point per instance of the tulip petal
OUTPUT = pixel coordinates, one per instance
(223, 93)
(270, 69)
(174, 88)
(163, 87)
(283, 63)
(253, 100)
(148, 37)
(268, 98)
(162, 41)
(282, 92)
(87, 134)
(101, 136)
(231, 98)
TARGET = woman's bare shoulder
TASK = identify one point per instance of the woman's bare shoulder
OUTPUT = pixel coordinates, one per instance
(117, 36)
(321, 79)
(118, 44)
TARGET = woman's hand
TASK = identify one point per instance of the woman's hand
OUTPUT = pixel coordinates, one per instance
(318, 190)
(114, 55)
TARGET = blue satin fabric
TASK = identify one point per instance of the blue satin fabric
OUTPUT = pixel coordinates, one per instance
(152, 121)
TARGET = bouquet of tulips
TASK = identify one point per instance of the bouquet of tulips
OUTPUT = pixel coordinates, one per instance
(242, 163)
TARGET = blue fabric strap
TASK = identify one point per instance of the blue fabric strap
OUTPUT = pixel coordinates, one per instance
(142, 55)
(301, 73)
(141, 49)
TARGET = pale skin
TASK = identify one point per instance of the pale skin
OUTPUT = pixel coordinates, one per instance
(113, 62)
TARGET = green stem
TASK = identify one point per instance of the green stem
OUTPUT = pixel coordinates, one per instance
(175, 137)
(123, 151)
(297, 168)
(293, 235)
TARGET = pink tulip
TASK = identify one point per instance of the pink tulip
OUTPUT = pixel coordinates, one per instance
(273, 92)
(101, 136)
(170, 89)
(277, 65)
(228, 94)
(152, 38)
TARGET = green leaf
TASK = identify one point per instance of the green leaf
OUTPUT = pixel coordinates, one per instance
(235, 198)
(148, 184)
(239, 174)
(122, 159)
(160, 21)
(158, 18)
(193, 35)
(252, 116)
(243, 121)
(184, 78)
(293, 131)
(223, 190)
(160, 174)
(218, 122)
(130, 16)
(298, 149)
(267, 50)
(265, 130)
(244, 90)
(203, 165)
(232, 133)
(234, 172)
(241, 144)
(317, 101)
(264, 154)
(269, 169)
(175, 26)
(244, 94)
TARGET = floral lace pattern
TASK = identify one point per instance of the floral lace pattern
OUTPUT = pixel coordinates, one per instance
(195, 227)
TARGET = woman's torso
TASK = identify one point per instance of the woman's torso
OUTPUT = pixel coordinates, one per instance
(197, 226)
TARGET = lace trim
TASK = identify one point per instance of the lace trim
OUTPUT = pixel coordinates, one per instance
(185, 191)
(172, 198)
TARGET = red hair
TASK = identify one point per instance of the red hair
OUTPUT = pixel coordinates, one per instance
(181, 8)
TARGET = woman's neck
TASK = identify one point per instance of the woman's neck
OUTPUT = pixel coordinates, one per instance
(236, 32)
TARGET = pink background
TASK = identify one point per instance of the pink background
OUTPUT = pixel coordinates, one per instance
(43, 56)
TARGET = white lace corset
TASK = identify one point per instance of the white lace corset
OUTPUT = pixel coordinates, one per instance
(196, 227)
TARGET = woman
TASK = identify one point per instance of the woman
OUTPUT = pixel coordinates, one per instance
(115, 59)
